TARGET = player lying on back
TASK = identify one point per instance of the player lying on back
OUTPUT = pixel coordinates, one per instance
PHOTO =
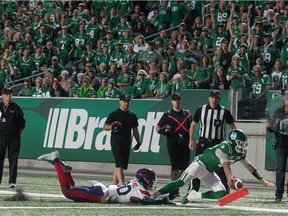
(135, 191)
(232, 150)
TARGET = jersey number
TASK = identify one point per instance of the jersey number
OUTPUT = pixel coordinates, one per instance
(123, 190)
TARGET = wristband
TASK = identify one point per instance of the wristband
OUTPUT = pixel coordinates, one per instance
(257, 174)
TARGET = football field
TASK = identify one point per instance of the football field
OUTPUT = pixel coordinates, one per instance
(45, 198)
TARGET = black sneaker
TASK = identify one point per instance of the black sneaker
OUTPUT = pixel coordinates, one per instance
(278, 200)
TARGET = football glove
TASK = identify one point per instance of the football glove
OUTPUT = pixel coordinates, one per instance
(137, 146)
(116, 126)
(166, 130)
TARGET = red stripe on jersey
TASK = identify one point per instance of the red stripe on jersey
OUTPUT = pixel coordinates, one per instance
(145, 192)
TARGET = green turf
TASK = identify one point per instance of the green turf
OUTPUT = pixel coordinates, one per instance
(35, 183)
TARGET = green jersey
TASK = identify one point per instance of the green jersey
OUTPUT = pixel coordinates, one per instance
(56, 70)
(178, 12)
(269, 54)
(79, 44)
(164, 89)
(88, 92)
(213, 157)
(203, 72)
(284, 50)
(126, 41)
(37, 92)
(259, 84)
(139, 88)
(164, 15)
(152, 86)
(185, 84)
(4, 72)
(39, 61)
(25, 66)
(74, 28)
(27, 92)
(74, 90)
(93, 32)
(117, 57)
(126, 78)
(147, 56)
(41, 40)
(88, 56)
(222, 15)
(110, 93)
(236, 81)
(64, 44)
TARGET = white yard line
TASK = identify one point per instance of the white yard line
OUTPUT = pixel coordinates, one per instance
(178, 205)
(34, 194)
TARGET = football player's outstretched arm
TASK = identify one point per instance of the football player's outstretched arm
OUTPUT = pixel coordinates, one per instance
(252, 169)
(228, 173)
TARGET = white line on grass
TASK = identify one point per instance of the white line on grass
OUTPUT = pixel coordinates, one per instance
(178, 205)
(34, 194)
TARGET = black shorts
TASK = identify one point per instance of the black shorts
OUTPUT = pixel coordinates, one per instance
(179, 155)
(121, 154)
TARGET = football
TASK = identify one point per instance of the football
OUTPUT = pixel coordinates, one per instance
(237, 184)
(167, 128)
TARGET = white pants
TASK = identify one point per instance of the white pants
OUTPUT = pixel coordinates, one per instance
(197, 170)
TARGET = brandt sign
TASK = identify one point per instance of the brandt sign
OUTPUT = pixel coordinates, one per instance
(75, 129)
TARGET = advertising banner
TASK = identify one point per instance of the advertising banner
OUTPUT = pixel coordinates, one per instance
(74, 126)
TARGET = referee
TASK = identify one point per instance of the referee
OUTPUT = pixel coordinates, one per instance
(212, 118)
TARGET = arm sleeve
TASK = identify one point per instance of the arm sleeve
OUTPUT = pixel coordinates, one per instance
(197, 115)
(229, 117)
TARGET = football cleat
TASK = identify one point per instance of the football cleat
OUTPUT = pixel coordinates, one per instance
(12, 185)
(49, 157)
(174, 194)
(193, 195)
(66, 167)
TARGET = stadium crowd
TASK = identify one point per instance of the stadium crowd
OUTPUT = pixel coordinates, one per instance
(148, 49)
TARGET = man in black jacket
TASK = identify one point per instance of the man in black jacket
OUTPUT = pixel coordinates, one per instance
(12, 123)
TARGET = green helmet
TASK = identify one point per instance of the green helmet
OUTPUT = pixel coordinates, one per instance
(238, 140)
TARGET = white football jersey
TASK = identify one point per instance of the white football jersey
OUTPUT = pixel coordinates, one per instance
(123, 193)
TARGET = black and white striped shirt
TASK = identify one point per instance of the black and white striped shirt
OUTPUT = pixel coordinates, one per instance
(212, 121)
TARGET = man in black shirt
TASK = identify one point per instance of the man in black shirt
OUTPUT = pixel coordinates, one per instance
(12, 123)
(120, 122)
(175, 124)
(212, 118)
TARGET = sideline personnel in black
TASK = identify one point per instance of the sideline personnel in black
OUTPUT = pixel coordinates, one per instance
(120, 122)
(12, 123)
(212, 118)
(279, 125)
(175, 124)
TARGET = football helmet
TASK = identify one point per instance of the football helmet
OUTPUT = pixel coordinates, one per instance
(147, 178)
(238, 140)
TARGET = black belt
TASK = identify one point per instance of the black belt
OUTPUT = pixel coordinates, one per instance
(211, 140)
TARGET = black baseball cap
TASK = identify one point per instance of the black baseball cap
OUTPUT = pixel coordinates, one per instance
(176, 96)
(215, 92)
(125, 97)
(7, 90)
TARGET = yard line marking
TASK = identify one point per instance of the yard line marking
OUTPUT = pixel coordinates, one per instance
(245, 208)
(34, 194)
(177, 206)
